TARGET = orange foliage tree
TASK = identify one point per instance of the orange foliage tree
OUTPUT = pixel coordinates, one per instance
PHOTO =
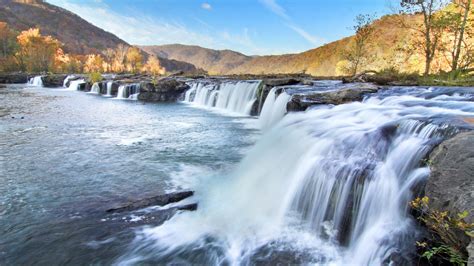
(37, 53)
(8, 47)
(153, 66)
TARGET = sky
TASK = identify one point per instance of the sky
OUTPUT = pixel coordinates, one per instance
(252, 27)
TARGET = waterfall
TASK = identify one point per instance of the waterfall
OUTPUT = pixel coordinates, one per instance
(273, 109)
(109, 89)
(36, 81)
(128, 91)
(66, 80)
(325, 186)
(232, 96)
(75, 84)
(95, 88)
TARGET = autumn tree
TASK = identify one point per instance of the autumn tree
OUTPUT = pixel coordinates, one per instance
(94, 63)
(458, 28)
(357, 55)
(120, 56)
(109, 55)
(8, 47)
(430, 30)
(36, 53)
(134, 59)
(153, 66)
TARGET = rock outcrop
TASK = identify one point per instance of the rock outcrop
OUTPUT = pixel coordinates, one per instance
(166, 90)
(451, 184)
(14, 78)
(52, 81)
(350, 93)
(160, 200)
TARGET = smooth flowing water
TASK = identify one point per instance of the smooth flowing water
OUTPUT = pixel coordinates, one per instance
(327, 186)
(234, 97)
(36, 81)
(72, 156)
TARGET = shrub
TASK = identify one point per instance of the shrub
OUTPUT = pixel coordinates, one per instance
(445, 244)
(95, 77)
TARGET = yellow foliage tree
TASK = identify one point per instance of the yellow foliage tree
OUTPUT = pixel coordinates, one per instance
(7, 48)
(153, 66)
(134, 59)
(36, 53)
(94, 63)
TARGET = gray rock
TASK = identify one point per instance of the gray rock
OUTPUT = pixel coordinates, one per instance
(14, 78)
(350, 93)
(160, 200)
(52, 81)
(166, 90)
(451, 184)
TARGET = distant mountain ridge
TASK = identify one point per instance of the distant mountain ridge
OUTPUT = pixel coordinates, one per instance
(77, 35)
(322, 61)
(213, 61)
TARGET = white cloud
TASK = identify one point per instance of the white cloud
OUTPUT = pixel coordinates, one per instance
(206, 6)
(147, 30)
(273, 6)
(314, 40)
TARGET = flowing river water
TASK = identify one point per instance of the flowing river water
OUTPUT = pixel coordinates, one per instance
(326, 186)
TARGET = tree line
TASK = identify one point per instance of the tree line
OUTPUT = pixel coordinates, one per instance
(30, 51)
(444, 32)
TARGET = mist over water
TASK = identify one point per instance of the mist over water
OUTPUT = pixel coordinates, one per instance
(327, 186)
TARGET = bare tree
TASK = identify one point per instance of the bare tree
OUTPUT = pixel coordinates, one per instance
(459, 27)
(357, 55)
(431, 30)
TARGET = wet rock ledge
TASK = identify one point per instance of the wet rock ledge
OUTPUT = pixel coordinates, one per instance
(451, 184)
(166, 90)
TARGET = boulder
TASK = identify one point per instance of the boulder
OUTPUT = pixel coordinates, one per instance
(348, 93)
(281, 82)
(451, 183)
(166, 90)
(52, 81)
(14, 78)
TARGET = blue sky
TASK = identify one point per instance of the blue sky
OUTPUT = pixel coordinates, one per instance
(253, 27)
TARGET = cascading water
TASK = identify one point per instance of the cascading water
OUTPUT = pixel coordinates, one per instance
(36, 81)
(95, 88)
(326, 186)
(109, 89)
(128, 91)
(274, 108)
(66, 80)
(232, 96)
(75, 84)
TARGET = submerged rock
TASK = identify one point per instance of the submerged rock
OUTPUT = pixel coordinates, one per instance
(351, 93)
(451, 184)
(166, 90)
(160, 200)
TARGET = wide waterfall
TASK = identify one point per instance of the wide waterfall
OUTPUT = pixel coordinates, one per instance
(36, 81)
(75, 84)
(325, 186)
(274, 108)
(236, 97)
(128, 91)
